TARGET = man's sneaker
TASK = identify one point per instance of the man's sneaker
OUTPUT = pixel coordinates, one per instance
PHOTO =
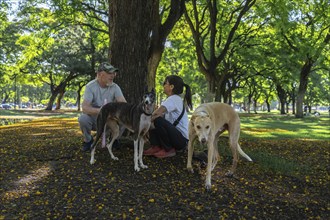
(152, 150)
(87, 145)
(163, 153)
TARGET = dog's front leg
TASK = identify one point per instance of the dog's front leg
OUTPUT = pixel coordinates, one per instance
(136, 164)
(210, 154)
(141, 146)
(215, 152)
(190, 152)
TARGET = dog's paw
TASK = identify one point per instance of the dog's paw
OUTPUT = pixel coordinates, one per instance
(92, 162)
(115, 158)
(208, 186)
(144, 166)
(137, 169)
(190, 169)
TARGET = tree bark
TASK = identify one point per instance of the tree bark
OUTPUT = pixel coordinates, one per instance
(268, 105)
(55, 90)
(160, 32)
(282, 97)
(137, 41)
(304, 74)
(209, 60)
(130, 31)
(59, 99)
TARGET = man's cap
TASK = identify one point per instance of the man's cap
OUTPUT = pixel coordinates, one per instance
(107, 67)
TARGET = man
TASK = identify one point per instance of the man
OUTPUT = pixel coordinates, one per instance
(97, 93)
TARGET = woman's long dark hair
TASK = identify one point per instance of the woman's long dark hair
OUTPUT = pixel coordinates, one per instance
(178, 84)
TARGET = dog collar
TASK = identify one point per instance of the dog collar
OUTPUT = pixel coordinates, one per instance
(147, 114)
(144, 112)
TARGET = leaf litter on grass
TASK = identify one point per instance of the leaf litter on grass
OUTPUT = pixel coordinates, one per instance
(44, 174)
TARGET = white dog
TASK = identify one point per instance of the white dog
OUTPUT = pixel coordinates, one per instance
(208, 121)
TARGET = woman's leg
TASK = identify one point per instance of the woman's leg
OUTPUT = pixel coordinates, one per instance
(169, 136)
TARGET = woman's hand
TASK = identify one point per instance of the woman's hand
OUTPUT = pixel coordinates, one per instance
(159, 112)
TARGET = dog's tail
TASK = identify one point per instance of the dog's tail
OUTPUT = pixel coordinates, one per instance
(241, 152)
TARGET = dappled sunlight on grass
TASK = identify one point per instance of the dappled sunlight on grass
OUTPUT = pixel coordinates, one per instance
(285, 127)
(27, 184)
(44, 174)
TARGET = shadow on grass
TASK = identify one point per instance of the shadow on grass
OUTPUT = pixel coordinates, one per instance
(44, 175)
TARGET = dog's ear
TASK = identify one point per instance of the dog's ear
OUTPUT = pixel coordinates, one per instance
(145, 89)
(153, 90)
(192, 120)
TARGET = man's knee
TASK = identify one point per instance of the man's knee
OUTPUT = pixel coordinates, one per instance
(85, 121)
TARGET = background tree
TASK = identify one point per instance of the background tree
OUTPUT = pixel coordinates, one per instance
(304, 27)
(213, 25)
(259, 43)
(138, 34)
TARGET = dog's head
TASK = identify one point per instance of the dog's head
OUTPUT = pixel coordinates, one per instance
(201, 123)
(148, 101)
(149, 98)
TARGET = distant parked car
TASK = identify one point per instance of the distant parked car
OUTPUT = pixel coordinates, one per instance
(6, 106)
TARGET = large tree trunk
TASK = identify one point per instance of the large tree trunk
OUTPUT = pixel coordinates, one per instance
(304, 73)
(137, 41)
(130, 31)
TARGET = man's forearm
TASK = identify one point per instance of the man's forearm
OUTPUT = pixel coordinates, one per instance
(90, 110)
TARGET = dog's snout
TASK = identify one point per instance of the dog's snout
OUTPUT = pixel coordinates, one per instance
(203, 140)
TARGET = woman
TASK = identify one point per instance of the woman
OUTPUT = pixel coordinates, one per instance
(171, 120)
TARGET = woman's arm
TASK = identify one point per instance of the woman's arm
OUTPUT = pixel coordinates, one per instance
(159, 112)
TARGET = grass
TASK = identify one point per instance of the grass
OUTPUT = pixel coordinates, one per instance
(267, 160)
(269, 129)
(254, 127)
(266, 126)
(277, 164)
(31, 114)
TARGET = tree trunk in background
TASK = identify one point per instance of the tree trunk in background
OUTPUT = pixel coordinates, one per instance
(282, 97)
(293, 97)
(304, 73)
(130, 30)
(59, 99)
(268, 105)
(160, 31)
(80, 87)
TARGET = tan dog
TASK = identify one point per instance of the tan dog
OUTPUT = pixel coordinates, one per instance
(208, 121)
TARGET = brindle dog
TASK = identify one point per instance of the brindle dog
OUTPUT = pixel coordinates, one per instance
(135, 117)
